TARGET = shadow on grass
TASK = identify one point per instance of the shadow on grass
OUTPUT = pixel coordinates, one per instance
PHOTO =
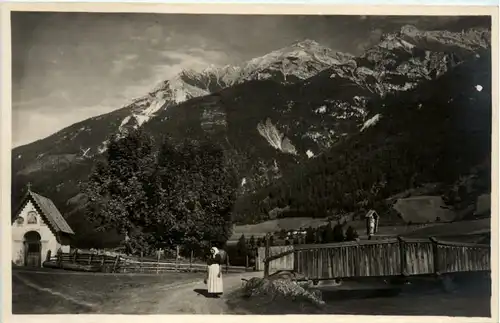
(341, 295)
(204, 292)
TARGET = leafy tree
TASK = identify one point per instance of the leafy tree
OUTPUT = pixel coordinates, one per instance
(183, 195)
(338, 233)
(241, 246)
(117, 190)
(351, 234)
(318, 235)
(251, 242)
(328, 234)
(310, 235)
(252, 245)
(195, 194)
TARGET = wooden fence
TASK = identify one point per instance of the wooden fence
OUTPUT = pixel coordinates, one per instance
(82, 261)
(392, 257)
(284, 263)
(121, 264)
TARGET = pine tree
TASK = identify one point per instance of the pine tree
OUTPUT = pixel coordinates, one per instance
(338, 233)
(318, 235)
(271, 241)
(351, 234)
(252, 245)
(328, 234)
(241, 246)
(310, 235)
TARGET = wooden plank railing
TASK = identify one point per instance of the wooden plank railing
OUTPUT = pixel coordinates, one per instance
(123, 264)
(379, 258)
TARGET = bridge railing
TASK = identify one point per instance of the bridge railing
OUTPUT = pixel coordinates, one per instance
(379, 258)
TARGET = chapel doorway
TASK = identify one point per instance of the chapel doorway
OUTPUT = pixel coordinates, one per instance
(32, 249)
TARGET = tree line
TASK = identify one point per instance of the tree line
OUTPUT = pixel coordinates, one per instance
(328, 233)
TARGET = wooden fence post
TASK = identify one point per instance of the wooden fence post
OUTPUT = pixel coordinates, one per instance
(140, 262)
(246, 262)
(158, 261)
(90, 258)
(59, 258)
(402, 255)
(191, 261)
(177, 258)
(103, 260)
(115, 265)
(435, 255)
(75, 256)
(266, 262)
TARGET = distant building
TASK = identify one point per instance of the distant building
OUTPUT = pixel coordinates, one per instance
(37, 227)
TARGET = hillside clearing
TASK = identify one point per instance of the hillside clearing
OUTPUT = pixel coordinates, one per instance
(454, 229)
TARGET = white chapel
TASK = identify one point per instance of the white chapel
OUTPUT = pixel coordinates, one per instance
(37, 227)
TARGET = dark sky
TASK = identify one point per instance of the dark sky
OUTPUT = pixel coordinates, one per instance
(71, 66)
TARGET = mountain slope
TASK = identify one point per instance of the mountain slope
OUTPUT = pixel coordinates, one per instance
(285, 66)
(271, 114)
(437, 132)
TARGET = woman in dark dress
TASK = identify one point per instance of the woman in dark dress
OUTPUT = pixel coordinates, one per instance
(214, 273)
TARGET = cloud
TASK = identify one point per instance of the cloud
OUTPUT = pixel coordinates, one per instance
(29, 126)
(70, 66)
(121, 64)
(372, 39)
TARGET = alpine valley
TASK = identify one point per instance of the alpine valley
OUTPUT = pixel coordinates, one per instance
(304, 121)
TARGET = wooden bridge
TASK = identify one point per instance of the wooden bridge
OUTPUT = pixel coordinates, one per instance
(379, 258)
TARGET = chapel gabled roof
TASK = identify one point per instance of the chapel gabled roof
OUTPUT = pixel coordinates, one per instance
(49, 210)
(371, 213)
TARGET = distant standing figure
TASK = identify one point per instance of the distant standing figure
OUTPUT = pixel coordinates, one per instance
(372, 223)
(214, 273)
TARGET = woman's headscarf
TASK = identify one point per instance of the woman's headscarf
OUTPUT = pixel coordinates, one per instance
(216, 251)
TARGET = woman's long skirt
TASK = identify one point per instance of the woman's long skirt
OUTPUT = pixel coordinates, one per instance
(214, 283)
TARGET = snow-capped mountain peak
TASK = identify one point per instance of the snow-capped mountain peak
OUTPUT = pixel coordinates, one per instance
(298, 61)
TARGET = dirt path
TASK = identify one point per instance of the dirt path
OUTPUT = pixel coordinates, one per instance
(189, 299)
(67, 292)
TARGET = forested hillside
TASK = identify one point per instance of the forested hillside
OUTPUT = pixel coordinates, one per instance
(434, 133)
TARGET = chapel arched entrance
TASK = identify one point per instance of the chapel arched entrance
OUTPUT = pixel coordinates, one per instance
(32, 249)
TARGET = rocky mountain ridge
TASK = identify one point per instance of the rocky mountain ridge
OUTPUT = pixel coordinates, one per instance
(270, 113)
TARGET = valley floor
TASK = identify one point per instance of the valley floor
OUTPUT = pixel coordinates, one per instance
(59, 292)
